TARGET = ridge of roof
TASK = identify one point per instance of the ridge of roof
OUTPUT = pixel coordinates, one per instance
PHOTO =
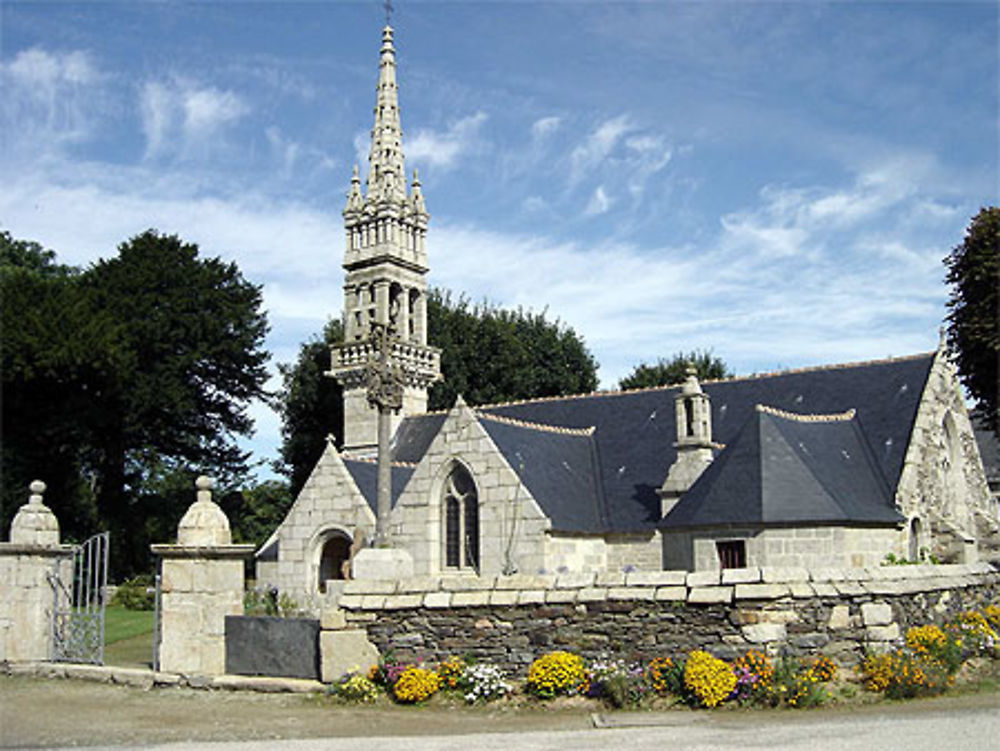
(588, 431)
(799, 417)
(749, 377)
(374, 460)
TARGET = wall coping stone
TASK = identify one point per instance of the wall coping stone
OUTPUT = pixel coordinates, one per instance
(559, 597)
(828, 575)
(749, 575)
(369, 587)
(437, 599)
(610, 579)
(349, 602)
(709, 595)
(470, 599)
(850, 588)
(761, 591)
(801, 590)
(703, 578)
(526, 589)
(655, 578)
(592, 594)
(531, 597)
(671, 594)
(526, 581)
(418, 584)
(783, 574)
(631, 593)
(372, 602)
(503, 597)
(824, 589)
(401, 602)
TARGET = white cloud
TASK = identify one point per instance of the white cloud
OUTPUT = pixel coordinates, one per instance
(597, 146)
(599, 202)
(178, 114)
(443, 149)
(206, 110)
(42, 71)
(155, 105)
(545, 126)
(286, 151)
(49, 98)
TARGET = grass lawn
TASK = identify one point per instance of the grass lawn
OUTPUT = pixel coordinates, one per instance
(128, 637)
(120, 623)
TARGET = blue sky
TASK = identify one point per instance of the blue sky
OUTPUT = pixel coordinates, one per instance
(776, 181)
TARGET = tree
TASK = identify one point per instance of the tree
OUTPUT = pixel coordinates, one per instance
(124, 381)
(311, 406)
(193, 333)
(254, 512)
(58, 353)
(488, 355)
(667, 372)
(974, 317)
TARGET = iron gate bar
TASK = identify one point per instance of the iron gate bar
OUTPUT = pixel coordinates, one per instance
(78, 609)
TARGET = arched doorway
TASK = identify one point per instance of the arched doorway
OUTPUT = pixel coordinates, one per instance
(335, 552)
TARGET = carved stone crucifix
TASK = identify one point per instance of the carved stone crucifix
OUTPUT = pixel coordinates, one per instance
(384, 379)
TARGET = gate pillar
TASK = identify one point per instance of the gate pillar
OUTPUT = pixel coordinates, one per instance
(26, 562)
(201, 583)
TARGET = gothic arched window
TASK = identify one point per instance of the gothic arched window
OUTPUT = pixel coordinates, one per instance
(461, 520)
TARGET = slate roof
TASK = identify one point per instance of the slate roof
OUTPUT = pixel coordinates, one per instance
(558, 468)
(785, 469)
(989, 451)
(634, 432)
(365, 474)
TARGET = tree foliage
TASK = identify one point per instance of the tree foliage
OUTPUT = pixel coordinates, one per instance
(666, 372)
(974, 312)
(488, 355)
(311, 405)
(123, 381)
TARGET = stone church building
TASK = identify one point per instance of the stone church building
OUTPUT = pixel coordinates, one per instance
(834, 466)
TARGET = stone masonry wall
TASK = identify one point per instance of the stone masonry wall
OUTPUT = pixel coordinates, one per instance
(802, 547)
(328, 501)
(512, 620)
(511, 525)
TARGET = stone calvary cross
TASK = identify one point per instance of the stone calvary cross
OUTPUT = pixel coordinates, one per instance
(384, 380)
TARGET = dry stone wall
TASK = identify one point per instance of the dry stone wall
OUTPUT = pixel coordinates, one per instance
(511, 620)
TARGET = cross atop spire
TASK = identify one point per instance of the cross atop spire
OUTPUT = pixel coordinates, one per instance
(388, 11)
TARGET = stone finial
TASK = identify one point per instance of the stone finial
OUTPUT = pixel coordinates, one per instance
(204, 523)
(691, 385)
(35, 524)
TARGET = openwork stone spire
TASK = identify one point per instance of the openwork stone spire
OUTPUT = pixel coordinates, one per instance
(386, 174)
(385, 260)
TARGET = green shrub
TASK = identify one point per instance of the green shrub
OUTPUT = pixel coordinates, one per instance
(136, 593)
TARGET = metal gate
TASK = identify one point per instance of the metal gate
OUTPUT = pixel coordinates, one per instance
(78, 587)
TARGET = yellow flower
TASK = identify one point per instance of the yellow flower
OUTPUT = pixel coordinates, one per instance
(710, 679)
(558, 673)
(415, 684)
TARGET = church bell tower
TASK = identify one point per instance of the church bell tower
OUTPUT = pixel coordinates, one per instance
(385, 265)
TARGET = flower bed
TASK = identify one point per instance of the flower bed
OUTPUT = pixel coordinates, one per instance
(925, 662)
